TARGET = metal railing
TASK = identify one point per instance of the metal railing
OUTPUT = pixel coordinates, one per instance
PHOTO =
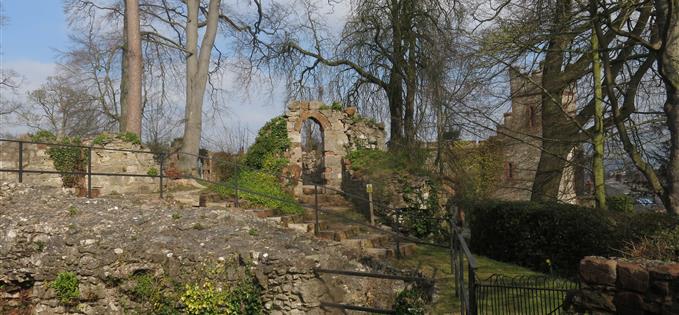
(534, 295)
(461, 257)
(88, 173)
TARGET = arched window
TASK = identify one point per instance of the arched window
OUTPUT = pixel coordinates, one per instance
(509, 170)
(532, 117)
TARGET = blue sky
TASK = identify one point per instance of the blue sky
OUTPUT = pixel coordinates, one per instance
(33, 31)
(37, 29)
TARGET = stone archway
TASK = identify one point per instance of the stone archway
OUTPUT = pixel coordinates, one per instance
(334, 140)
(343, 130)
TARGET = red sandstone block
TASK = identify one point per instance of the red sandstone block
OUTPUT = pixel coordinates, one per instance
(632, 277)
(597, 270)
(665, 272)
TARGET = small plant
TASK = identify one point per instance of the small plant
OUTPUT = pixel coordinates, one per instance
(176, 216)
(145, 287)
(66, 287)
(39, 246)
(102, 139)
(129, 137)
(152, 171)
(253, 232)
(336, 106)
(72, 210)
(198, 226)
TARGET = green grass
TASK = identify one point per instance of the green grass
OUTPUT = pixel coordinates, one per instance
(433, 260)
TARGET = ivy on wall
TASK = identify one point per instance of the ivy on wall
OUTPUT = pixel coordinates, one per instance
(64, 158)
(272, 139)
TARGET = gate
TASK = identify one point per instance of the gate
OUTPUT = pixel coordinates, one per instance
(534, 295)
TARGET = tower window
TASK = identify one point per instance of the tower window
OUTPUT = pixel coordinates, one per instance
(532, 117)
(509, 170)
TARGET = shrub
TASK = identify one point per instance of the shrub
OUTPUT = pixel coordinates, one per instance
(272, 139)
(44, 136)
(207, 299)
(261, 186)
(410, 302)
(662, 245)
(66, 287)
(130, 137)
(620, 203)
(102, 139)
(532, 234)
(374, 162)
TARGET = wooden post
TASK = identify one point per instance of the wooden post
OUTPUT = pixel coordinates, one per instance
(369, 189)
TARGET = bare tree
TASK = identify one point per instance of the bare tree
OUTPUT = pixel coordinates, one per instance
(62, 108)
(381, 52)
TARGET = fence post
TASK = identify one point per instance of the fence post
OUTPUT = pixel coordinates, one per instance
(89, 172)
(453, 266)
(21, 161)
(162, 160)
(235, 201)
(472, 289)
(317, 229)
(369, 189)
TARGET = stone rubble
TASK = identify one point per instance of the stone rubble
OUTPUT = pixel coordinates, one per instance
(107, 241)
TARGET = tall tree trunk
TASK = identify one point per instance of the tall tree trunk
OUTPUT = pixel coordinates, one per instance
(134, 68)
(667, 14)
(395, 98)
(558, 130)
(598, 137)
(122, 126)
(197, 66)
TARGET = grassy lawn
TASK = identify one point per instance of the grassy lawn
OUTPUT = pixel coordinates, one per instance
(431, 258)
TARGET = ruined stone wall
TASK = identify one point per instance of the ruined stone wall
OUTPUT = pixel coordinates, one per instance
(618, 286)
(519, 138)
(35, 157)
(343, 131)
(109, 242)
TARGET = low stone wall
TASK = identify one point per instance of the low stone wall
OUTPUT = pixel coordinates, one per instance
(619, 286)
(35, 157)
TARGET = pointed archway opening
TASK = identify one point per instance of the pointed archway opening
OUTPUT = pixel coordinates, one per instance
(313, 148)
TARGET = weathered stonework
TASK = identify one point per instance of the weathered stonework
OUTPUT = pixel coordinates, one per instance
(108, 241)
(35, 157)
(519, 138)
(343, 131)
(618, 286)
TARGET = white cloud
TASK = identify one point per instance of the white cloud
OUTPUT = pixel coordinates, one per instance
(32, 72)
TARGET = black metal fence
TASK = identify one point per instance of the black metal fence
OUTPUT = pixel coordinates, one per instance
(534, 295)
(88, 173)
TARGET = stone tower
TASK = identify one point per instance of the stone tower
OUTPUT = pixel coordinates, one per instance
(519, 138)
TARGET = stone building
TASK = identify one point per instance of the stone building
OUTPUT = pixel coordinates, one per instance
(341, 131)
(519, 138)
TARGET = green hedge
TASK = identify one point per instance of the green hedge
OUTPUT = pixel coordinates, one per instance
(554, 236)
